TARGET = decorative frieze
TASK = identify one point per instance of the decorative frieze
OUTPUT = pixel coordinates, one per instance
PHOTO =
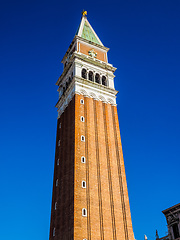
(88, 89)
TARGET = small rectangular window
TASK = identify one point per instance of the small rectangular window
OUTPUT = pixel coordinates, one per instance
(59, 143)
(60, 125)
(54, 232)
(84, 212)
(175, 230)
(82, 119)
(55, 205)
(83, 184)
(58, 162)
(56, 182)
(82, 101)
(83, 159)
(82, 138)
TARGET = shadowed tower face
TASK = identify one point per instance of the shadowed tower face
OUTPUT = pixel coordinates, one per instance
(90, 198)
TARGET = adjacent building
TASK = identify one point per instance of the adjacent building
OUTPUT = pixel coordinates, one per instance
(172, 215)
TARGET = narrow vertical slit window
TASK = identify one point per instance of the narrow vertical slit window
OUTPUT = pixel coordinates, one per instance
(60, 125)
(55, 205)
(59, 143)
(83, 184)
(56, 182)
(54, 230)
(84, 212)
(83, 159)
(82, 138)
(82, 119)
(58, 162)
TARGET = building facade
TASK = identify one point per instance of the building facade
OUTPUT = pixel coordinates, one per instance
(172, 215)
(90, 198)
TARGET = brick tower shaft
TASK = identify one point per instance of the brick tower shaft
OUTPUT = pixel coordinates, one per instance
(90, 198)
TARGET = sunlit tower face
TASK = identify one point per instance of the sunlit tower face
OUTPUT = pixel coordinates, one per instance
(90, 199)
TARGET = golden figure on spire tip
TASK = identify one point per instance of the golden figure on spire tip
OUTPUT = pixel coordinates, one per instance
(84, 13)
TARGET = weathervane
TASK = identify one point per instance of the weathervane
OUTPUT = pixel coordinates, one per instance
(84, 13)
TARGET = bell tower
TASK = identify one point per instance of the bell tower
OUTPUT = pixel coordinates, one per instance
(90, 198)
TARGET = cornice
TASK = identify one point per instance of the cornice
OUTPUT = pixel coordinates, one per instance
(97, 87)
(91, 43)
(66, 94)
(94, 61)
(83, 40)
(88, 59)
(88, 89)
(171, 209)
(66, 69)
(69, 48)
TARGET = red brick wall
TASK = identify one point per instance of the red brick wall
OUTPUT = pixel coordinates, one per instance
(101, 55)
(63, 217)
(106, 196)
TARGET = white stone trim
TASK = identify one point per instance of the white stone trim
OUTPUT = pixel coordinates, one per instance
(81, 26)
(90, 45)
(85, 87)
(79, 60)
(80, 64)
(88, 89)
(95, 91)
(69, 51)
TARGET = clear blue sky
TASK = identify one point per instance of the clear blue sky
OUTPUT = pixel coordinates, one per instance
(144, 41)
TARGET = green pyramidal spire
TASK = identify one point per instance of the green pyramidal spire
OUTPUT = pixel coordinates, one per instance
(87, 32)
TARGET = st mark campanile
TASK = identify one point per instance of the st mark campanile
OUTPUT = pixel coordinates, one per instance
(90, 197)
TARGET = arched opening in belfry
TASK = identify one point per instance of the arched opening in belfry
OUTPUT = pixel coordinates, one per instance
(64, 89)
(84, 73)
(70, 80)
(90, 76)
(67, 84)
(97, 78)
(104, 81)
